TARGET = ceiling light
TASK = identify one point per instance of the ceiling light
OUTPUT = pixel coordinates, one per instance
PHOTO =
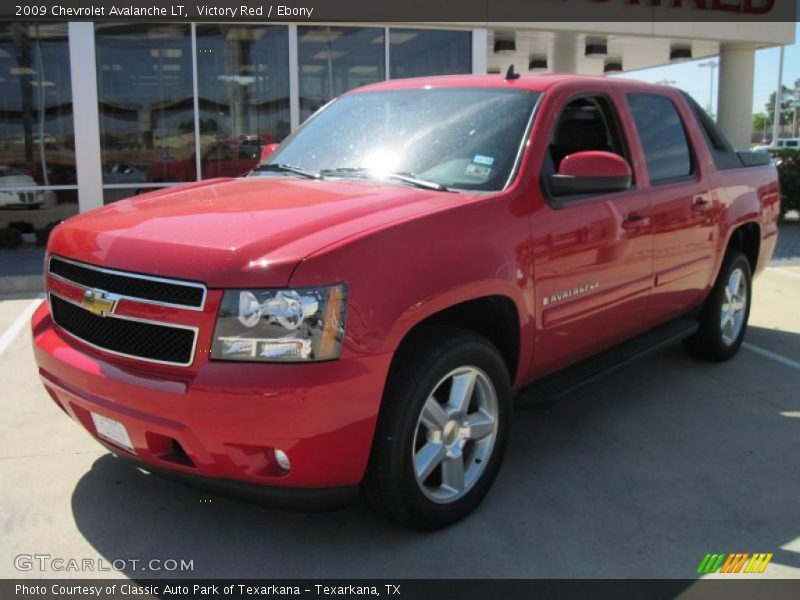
(401, 37)
(538, 64)
(680, 53)
(323, 54)
(596, 49)
(505, 46)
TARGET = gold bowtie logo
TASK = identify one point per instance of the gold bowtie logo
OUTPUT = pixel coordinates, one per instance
(97, 303)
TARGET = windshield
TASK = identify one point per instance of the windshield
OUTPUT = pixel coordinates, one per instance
(465, 138)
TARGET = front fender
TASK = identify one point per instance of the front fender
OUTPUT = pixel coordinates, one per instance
(406, 272)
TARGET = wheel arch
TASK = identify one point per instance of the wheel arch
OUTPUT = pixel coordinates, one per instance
(496, 317)
(745, 237)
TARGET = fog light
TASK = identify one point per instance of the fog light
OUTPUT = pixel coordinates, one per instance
(282, 460)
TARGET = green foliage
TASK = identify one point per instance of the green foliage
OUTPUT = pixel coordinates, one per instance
(788, 99)
(759, 121)
(789, 172)
(10, 238)
(42, 235)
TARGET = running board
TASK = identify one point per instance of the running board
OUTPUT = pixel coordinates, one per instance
(564, 381)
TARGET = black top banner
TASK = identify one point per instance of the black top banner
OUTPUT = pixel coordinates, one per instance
(461, 11)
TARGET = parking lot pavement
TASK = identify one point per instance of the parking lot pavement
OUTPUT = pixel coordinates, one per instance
(638, 475)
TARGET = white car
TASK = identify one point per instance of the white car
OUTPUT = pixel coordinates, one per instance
(26, 197)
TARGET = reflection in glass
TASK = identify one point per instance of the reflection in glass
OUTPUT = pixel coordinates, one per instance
(243, 84)
(37, 144)
(336, 59)
(421, 52)
(144, 84)
(448, 136)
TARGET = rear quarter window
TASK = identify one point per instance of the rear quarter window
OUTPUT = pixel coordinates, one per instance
(664, 140)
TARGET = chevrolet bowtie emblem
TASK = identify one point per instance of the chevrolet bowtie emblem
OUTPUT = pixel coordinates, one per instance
(98, 303)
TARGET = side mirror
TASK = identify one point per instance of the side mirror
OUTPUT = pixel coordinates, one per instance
(266, 151)
(591, 172)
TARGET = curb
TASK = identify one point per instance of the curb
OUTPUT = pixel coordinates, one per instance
(16, 284)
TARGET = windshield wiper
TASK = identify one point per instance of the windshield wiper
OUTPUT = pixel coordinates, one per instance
(283, 168)
(405, 177)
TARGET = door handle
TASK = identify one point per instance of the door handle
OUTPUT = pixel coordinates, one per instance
(700, 203)
(636, 222)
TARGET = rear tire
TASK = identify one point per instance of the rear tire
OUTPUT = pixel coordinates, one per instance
(723, 318)
(442, 429)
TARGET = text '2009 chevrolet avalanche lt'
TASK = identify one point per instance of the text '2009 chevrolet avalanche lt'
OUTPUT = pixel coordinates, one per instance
(360, 310)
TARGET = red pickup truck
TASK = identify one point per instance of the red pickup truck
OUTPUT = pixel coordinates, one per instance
(363, 308)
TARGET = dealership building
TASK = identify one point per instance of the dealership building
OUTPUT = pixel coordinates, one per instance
(93, 112)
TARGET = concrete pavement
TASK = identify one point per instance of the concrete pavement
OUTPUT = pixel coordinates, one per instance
(637, 475)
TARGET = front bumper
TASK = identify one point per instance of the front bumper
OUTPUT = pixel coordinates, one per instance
(222, 421)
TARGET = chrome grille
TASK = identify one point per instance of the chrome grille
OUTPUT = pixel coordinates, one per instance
(126, 336)
(143, 288)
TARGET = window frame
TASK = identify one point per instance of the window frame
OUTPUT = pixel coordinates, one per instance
(613, 116)
(694, 172)
(719, 147)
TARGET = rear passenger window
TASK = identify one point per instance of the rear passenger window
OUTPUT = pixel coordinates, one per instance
(666, 147)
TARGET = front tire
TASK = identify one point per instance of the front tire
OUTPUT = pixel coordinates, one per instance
(723, 318)
(442, 429)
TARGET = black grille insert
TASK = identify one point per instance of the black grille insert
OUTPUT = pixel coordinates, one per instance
(133, 338)
(135, 286)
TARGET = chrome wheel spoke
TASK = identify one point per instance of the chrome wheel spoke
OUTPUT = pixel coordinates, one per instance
(734, 282)
(428, 458)
(461, 391)
(433, 415)
(453, 473)
(481, 424)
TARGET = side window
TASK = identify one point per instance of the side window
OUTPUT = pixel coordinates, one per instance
(664, 140)
(586, 123)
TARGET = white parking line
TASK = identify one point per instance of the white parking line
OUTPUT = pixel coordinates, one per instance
(17, 326)
(788, 362)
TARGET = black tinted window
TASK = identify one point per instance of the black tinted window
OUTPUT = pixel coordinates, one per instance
(666, 148)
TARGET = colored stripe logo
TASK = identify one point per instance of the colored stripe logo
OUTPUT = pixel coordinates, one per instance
(736, 562)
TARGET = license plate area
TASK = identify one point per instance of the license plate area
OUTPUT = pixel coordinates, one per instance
(112, 431)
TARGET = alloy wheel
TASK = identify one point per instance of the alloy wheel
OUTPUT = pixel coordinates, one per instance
(734, 306)
(455, 434)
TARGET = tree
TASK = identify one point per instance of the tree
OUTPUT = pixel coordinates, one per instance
(761, 125)
(787, 104)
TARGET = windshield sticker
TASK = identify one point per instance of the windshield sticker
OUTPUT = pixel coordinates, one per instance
(478, 171)
(482, 159)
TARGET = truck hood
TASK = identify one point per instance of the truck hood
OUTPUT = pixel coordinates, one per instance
(236, 232)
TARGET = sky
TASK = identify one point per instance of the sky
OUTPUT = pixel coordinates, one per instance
(696, 80)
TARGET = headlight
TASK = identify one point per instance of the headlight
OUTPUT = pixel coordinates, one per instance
(297, 325)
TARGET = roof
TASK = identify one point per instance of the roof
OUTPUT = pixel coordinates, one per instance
(538, 83)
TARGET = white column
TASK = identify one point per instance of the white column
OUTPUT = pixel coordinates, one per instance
(85, 115)
(480, 50)
(735, 95)
(294, 79)
(565, 48)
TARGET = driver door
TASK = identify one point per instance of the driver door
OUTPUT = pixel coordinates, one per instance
(593, 263)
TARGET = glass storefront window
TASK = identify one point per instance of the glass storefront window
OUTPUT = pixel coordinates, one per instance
(37, 143)
(146, 103)
(421, 52)
(243, 89)
(333, 60)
